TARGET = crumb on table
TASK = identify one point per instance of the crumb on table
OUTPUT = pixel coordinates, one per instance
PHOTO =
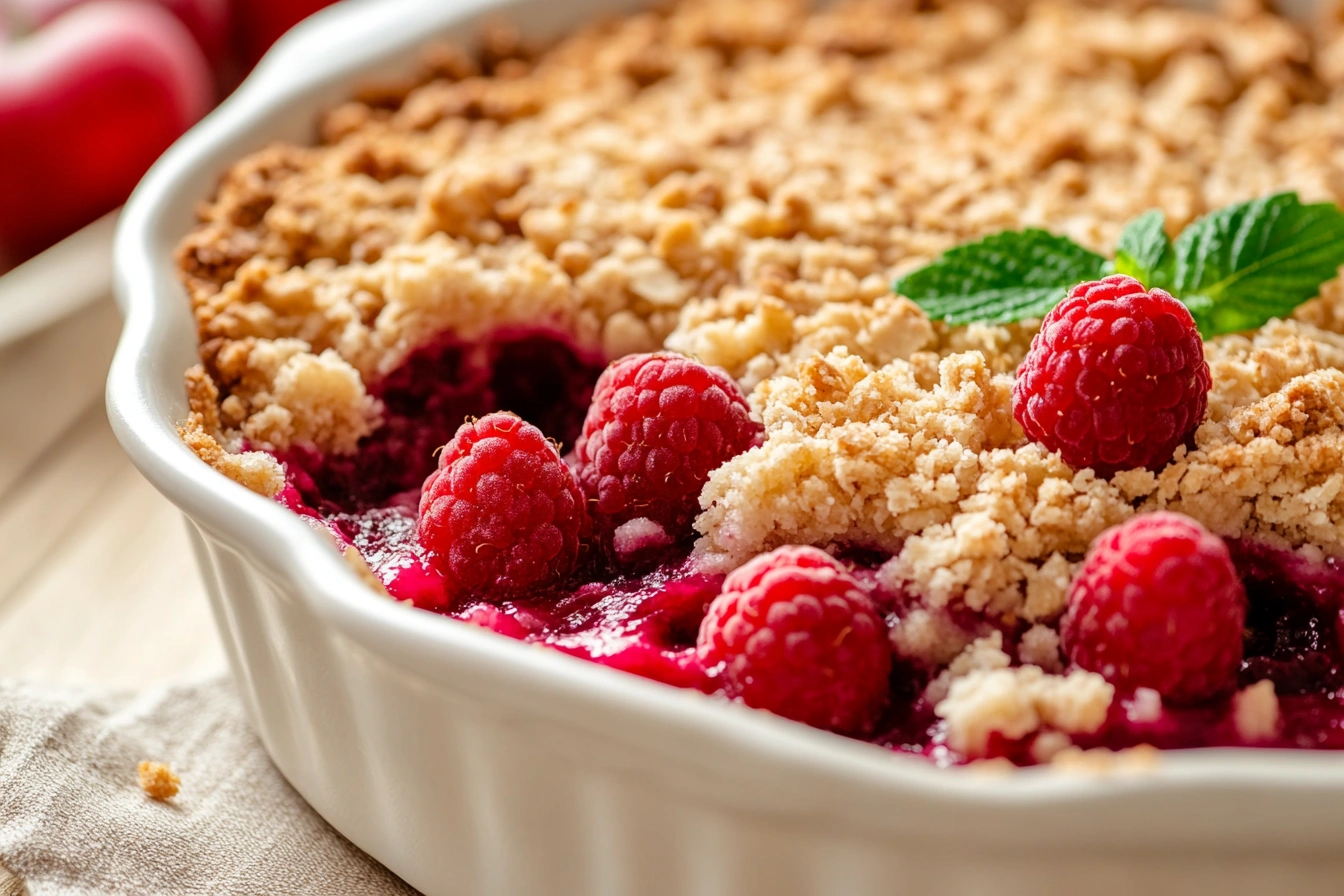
(158, 781)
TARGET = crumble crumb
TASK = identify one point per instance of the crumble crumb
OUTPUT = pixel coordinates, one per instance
(1104, 761)
(1049, 744)
(1256, 712)
(255, 470)
(1040, 646)
(1015, 702)
(1047, 588)
(1145, 706)
(157, 780)
(928, 636)
(637, 534)
(981, 654)
(290, 395)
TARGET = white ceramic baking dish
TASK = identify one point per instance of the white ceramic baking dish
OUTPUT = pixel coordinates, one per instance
(472, 764)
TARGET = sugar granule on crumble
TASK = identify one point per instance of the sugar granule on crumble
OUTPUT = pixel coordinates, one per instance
(157, 780)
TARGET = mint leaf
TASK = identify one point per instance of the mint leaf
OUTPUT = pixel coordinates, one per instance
(1238, 267)
(1235, 268)
(1144, 251)
(1001, 278)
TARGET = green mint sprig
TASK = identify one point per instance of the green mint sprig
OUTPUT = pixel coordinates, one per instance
(1235, 268)
(1001, 278)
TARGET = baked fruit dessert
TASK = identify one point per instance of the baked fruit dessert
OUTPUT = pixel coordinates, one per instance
(963, 377)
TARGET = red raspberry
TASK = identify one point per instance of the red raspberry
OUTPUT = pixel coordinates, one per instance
(658, 426)
(1158, 604)
(793, 632)
(1115, 380)
(502, 514)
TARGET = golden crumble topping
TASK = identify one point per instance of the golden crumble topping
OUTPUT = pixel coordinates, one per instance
(940, 477)
(738, 180)
(202, 432)
(741, 180)
(943, 478)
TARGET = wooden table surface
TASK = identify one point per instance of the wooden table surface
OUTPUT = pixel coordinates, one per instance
(98, 584)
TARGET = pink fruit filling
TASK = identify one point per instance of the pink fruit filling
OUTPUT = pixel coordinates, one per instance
(537, 376)
(647, 621)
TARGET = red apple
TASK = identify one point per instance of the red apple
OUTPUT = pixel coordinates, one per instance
(259, 23)
(207, 20)
(86, 105)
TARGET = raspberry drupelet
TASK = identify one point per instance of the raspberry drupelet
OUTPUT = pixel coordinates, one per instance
(793, 632)
(658, 425)
(1115, 380)
(502, 514)
(1158, 604)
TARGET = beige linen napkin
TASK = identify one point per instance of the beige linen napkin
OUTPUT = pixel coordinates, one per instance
(74, 821)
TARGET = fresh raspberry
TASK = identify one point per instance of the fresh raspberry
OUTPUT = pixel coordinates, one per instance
(1115, 380)
(503, 513)
(1158, 604)
(793, 632)
(658, 426)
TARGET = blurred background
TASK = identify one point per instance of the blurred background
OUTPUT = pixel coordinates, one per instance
(97, 581)
(93, 91)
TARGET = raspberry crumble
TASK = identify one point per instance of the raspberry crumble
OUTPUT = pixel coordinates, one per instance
(595, 345)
